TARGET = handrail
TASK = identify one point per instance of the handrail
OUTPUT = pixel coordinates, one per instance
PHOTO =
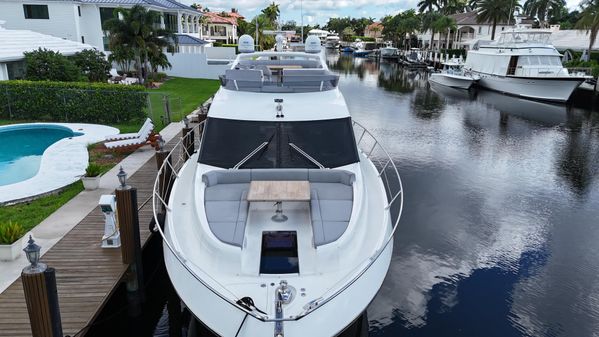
(175, 161)
(309, 157)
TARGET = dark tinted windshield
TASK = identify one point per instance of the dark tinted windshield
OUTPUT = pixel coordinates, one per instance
(226, 142)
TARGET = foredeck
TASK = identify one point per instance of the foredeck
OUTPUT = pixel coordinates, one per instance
(86, 274)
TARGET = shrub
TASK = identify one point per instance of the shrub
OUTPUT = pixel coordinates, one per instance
(93, 65)
(48, 65)
(93, 170)
(10, 232)
(72, 102)
(157, 77)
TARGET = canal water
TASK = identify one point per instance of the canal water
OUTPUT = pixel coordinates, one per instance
(500, 230)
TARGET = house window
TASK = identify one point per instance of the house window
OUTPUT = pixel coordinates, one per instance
(106, 14)
(36, 11)
(480, 30)
(82, 39)
(79, 10)
(16, 70)
(502, 28)
(170, 22)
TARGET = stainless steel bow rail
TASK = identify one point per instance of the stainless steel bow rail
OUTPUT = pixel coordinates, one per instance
(370, 149)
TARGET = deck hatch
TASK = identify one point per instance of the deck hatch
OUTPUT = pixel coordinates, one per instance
(279, 253)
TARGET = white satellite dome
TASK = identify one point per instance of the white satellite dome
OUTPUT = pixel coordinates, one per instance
(246, 44)
(312, 44)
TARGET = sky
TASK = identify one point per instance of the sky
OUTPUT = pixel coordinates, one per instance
(319, 11)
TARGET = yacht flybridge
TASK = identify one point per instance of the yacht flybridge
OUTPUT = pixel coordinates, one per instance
(280, 222)
(523, 62)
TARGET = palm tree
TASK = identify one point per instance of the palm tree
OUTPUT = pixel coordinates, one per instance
(272, 13)
(136, 31)
(409, 24)
(589, 20)
(428, 6)
(428, 20)
(449, 7)
(494, 11)
(444, 24)
(542, 9)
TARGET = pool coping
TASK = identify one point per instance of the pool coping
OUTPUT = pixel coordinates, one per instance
(62, 163)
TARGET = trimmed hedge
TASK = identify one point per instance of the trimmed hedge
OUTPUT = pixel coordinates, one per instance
(72, 101)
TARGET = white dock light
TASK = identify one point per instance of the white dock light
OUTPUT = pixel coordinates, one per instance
(112, 236)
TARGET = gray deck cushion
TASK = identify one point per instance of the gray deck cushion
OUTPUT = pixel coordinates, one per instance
(227, 218)
(227, 206)
(279, 174)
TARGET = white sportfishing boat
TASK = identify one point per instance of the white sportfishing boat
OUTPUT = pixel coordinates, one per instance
(282, 222)
(332, 41)
(389, 51)
(524, 63)
(453, 75)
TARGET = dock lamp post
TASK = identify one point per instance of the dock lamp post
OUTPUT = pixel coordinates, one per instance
(122, 175)
(41, 296)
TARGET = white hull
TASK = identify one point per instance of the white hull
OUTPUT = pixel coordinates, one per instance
(547, 89)
(388, 52)
(453, 81)
(224, 319)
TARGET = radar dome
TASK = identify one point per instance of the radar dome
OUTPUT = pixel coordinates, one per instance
(312, 44)
(246, 44)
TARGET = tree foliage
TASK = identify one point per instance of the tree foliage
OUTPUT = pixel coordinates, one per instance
(494, 11)
(589, 20)
(544, 9)
(401, 28)
(135, 30)
(48, 65)
(93, 65)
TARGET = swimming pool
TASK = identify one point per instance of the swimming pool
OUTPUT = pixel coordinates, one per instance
(38, 158)
(22, 147)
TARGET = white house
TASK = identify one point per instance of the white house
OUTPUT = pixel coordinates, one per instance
(81, 20)
(17, 42)
(469, 30)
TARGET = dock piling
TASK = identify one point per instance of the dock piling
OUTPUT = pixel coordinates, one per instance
(126, 201)
(41, 296)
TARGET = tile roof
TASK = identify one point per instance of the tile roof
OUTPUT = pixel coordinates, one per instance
(214, 17)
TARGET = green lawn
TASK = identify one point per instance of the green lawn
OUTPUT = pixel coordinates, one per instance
(185, 95)
(30, 214)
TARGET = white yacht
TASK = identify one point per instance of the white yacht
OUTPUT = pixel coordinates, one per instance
(282, 222)
(453, 75)
(389, 51)
(332, 41)
(523, 62)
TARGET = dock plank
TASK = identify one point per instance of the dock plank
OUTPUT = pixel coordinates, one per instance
(86, 274)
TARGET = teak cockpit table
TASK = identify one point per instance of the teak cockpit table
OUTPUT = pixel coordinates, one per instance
(279, 191)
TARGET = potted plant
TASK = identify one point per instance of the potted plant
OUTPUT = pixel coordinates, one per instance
(91, 179)
(11, 237)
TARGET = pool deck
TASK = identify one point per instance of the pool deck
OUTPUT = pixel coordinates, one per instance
(70, 238)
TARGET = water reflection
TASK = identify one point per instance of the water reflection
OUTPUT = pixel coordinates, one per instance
(499, 231)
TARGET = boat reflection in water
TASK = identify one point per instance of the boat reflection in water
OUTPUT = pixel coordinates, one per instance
(549, 114)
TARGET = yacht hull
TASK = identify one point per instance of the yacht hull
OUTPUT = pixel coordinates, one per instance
(555, 89)
(459, 82)
(329, 320)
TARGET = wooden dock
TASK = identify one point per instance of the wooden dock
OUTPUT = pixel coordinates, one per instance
(86, 274)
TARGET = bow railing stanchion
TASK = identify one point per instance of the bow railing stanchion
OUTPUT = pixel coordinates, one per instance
(374, 152)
